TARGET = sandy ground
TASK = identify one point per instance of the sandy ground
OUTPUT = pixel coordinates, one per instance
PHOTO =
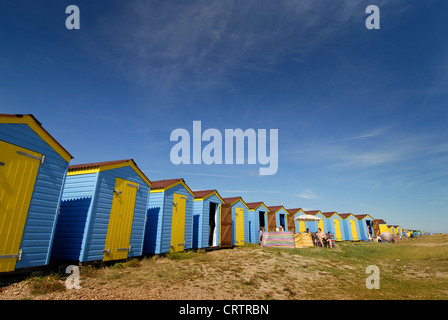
(221, 274)
(243, 273)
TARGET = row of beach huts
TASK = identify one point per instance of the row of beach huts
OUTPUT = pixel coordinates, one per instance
(51, 211)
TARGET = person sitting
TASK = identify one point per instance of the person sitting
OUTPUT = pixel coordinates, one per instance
(323, 238)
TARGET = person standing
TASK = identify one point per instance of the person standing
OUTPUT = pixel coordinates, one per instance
(260, 235)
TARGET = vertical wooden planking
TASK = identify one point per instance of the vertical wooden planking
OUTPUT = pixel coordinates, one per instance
(38, 231)
(120, 221)
(226, 225)
(337, 229)
(239, 221)
(177, 242)
(18, 173)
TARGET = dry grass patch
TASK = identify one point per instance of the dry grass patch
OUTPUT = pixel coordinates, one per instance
(411, 269)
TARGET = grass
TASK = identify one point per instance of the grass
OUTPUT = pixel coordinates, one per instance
(412, 269)
(45, 284)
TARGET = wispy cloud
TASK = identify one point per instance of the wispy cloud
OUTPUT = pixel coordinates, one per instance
(306, 194)
(184, 173)
(249, 191)
(201, 43)
(371, 134)
(374, 149)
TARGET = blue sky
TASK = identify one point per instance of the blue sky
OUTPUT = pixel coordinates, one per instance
(362, 114)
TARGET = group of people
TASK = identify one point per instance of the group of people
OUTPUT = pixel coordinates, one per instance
(322, 237)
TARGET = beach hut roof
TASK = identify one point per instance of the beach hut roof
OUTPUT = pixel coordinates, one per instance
(107, 165)
(313, 212)
(34, 124)
(381, 221)
(345, 215)
(294, 211)
(362, 216)
(233, 200)
(168, 184)
(276, 208)
(256, 205)
(202, 194)
(329, 214)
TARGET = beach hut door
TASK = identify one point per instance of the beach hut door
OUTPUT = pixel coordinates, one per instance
(18, 172)
(320, 225)
(337, 230)
(226, 225)
(282, 221)
(261, 218)
(213, 214)
(239, 220)
(178, 223)
(376, 228)
(271, 221)
(120, 220)
(291, 224)
(354, 232)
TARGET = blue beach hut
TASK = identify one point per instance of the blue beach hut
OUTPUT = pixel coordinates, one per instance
(170, 217)
(33, 167)
(351, 228)
(240, 220)
(298, 224)
(335, 225)
(365, 225)
(206, 218)
(280, 217)
(313, 225)
(258, 217)
(103, 212)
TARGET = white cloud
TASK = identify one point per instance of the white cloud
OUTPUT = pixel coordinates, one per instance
(201, 43)
(249, 191)
(371, 134)
(307, 194)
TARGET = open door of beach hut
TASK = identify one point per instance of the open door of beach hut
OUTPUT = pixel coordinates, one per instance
(280, 217)
(258, 219)
(226, 225)
(365, 227)
(213, 215)
(271, 221)
(291, 223)
(262, 219)
(206, 218)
